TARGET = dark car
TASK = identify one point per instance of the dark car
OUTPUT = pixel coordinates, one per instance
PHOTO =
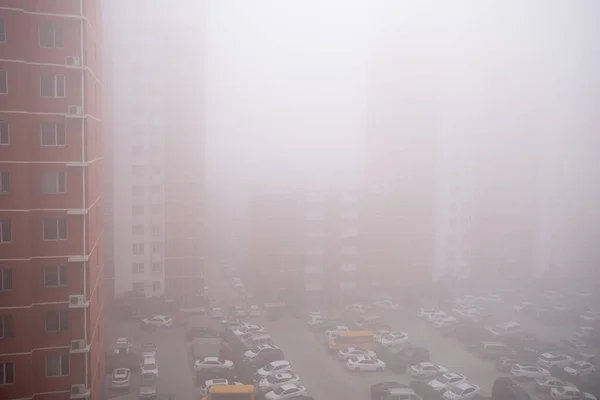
(425, 391)
(398, 359)
(200, 332)
(507, 389)
(379, 391)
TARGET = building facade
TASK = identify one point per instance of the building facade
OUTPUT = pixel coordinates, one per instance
(157, 125)
(51, 201)
(306, 241)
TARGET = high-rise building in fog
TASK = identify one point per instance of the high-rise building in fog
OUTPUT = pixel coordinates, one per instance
(52, 341)
(402, 149)
(157, 130)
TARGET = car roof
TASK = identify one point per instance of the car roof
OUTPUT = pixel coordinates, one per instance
(284, 375)
(279, 362)
(452, 375)
(465, 385)
(121, 371)
(427, 364)
(290, 386)
(211, 358)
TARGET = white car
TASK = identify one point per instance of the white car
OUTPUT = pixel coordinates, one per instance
(363, 363)
(274, 381)
(379, 334)
(215, 312)
(258, 349)
(205, 386)
(122, 345)
(212, 363)
(426, 370)
(490, 298)
(333, 333)
(554, 359)
(158, 321)
(386, 305)
(248, 329)
(444, 321)
(447, 380)
(120, 378)
(254, 311)
(357, 308)
(466, 299)
(522, 306)
(424, 313)
(394, 338)
(580, 368)
(286, 392)
(584, 331)
(528, 372)
(570, 393)
(462, 391)
(315, 320)
(149, 365)
(548, 382)
(239, 311)
(438, 314)
(590, 316)
(148, 350)
(275, 367)
(351, 352)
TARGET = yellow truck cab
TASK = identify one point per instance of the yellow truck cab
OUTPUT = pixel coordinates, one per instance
(359, 339)
(230, 392)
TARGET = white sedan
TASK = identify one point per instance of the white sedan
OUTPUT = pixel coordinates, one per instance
(447, 380)
(570, 393)
(394, 338)
(386, 305)
(590, 316)
(158, 321)
(466, 299)
(580, 368)
(212, 363)
(436, 315)
(427, 370)
(350, 352)
(276, 380)
(426, 312)
(363, 363)
(528, 372)
(274, 367)
(445, 321)
(462, 391)
(286, 392)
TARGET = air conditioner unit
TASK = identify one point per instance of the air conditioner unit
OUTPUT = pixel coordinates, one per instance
(77, 300)
(75, 111)
(73, 61)
(78, 344)
(79, 391)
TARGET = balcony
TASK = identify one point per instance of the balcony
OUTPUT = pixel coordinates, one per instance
(348, 267)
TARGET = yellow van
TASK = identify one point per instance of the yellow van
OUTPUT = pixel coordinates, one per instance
(358, 339)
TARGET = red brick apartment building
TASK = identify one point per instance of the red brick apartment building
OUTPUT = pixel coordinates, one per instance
(51, 216)
(306, 241)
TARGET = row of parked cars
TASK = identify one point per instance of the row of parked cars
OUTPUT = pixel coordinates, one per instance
(148, 368)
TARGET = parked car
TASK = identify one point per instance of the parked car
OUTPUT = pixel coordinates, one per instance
(212, 363)
(495, 350)
(122, 346)
(578, 350)
(149, 365)
(554, 359)
(276, 380)
(238, 311)
(583, 332)
(398, 359)
(544, 384)
(196, 332)
(381, 391)
(120, 378)
(506, 364)
(570, 393)
(362, 363)
(590, 316)
(447, 380)
(351, 352)
(215, 312)
(274, 367)
(148, 388)
(533, 351)
(528, 372)
(386, 305)
(158, 321)
(254, 311)
(394, 338)
(462, 391)
(427, 370)
(580, 368)
(288, 391)
(148, 350)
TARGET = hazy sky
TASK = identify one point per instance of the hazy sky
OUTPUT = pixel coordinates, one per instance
(285, 87)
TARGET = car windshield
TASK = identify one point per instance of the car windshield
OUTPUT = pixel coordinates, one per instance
(456, 390)
(269, 367)
(274, 379)
(278, 391)
(149, 366)
(443, 379)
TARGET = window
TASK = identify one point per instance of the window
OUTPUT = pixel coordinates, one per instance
(137, 209)
(2, 30)
(155, 229)
(156, 208)
(138, 248)
(54, 182)
(4, 182)
(52, 86)
(3, 82)
(53, 134)
(137, 190)
(137, 170)
(57, 321)
(7, 373)
(4, 134)
(5, 231)
(156, 247)
(138, 268)
(156, 189)
(137, 150)
(138, 287)
(6, 326)
(56, 275)
(50, 36)
(156, 267)
(57, 365)
(137, 229)
(5, 279)
(156, 286)
(55, 229)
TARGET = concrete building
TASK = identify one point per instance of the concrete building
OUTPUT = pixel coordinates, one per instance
(157, 127)
(51, 201)
(304, 240)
